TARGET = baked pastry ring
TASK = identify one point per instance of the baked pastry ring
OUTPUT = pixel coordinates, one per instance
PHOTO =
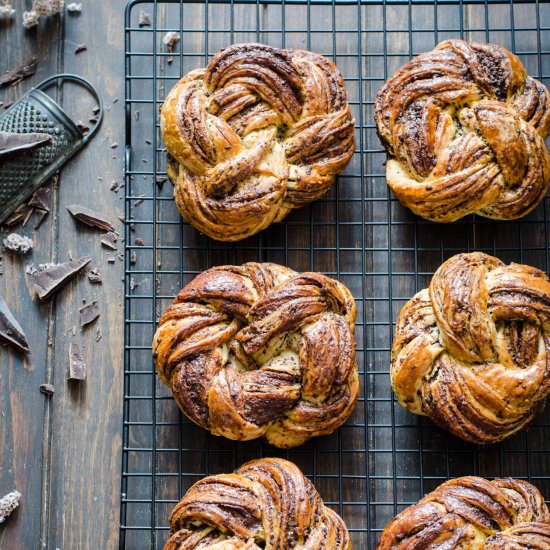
(472, 352)
(464, 127)
(257, 133)
(265, 504)
(473, 513)
(260, 350)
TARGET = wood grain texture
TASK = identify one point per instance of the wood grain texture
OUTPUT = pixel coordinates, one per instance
(63, 454)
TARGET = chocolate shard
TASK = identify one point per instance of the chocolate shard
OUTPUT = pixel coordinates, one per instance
(12, 143)
(144, 19)
(21, 215)
(89, 217)
(48, 281)
(47, 389)
(77, 366)
(41, 199)
(109, 240)
(39, 216)
(17, 74)
(88, 313)
(10, 330)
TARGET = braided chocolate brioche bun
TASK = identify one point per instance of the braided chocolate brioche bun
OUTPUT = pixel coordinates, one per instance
(266, 503)
(258, 132)
(260, 350)
(464, 128)
(473, 513)
(472, 351)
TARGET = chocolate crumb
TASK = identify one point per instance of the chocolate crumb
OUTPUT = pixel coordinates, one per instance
(47, 389)
(144, 19)
(81, 48)
(140, 242)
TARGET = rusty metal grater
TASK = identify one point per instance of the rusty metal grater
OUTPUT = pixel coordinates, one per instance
(20, 177)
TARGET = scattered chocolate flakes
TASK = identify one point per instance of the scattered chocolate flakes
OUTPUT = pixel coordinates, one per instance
(111, 260)
(41, 199)
(88, 313)
(96, 110)
(10, 330)
(93, 119)
(114, 145)
(133, 257)
(133, 283)
(77, 366)
(47, 389)
(81, 48)
(21, 215)
(136, 115)
(94, 276)
(114, 186)
(144, 19)
(49, 280)
(39, 216)
(148, 141)
(12, 143)
(139, 242)
(17, 74)
(89, 217)
(98, 335)
(109, 240)
(17, 243)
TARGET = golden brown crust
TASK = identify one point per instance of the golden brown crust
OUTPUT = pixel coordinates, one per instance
(473, 513)
(260, 350)
(257, 133)
(472, 352)
(266, 503)
(464, 127)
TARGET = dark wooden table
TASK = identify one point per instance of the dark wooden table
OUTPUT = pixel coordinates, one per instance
(63, 454)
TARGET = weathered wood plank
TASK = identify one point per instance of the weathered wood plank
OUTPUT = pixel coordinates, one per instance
(85, 446)
(22, 406)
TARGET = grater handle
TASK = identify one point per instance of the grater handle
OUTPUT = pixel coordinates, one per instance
(84, 83)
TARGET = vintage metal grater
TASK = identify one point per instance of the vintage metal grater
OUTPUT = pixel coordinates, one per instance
(21, 176)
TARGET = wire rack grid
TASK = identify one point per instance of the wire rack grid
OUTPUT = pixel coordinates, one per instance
(384, 458)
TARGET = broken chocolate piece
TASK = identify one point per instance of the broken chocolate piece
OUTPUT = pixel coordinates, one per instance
(39, 216)
(10, 330)
(133, 257)
(48, 281)
(94, 276)
(88, 313)
(89, 217)
(144, 19)
(17, 74)
(140, 242)
(47, 389)
(41, 199)
(13, 143)
(77, 366)
(109, 240)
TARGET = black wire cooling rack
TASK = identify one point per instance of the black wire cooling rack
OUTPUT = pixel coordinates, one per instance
(384, 458)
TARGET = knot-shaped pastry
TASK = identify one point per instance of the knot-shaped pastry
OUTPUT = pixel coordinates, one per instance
(266, 504)
(472, 352)
(473, 513)
(260, 350)
(464, 127)
(257, 133)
